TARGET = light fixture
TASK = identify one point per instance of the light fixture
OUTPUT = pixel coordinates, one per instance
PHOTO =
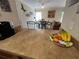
(42, 5)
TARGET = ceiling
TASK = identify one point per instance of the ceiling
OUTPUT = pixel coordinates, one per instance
(45, 3)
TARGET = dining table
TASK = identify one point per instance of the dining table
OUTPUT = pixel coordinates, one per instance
(40, 24)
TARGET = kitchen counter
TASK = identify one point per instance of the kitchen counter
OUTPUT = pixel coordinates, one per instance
(36, 44)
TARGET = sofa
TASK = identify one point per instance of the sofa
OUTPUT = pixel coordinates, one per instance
(6, 30)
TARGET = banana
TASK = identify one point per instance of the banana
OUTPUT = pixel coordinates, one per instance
(65, 36)
(62, 36)
(69, 37)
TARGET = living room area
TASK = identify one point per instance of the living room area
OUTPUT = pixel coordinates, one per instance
(34, 17)
(39, 29)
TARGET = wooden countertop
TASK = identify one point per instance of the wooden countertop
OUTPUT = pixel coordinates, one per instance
(36, 44)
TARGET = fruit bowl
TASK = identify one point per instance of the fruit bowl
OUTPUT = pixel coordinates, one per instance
(61, 43)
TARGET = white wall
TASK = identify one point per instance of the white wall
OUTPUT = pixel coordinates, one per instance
(57, 14)
(10, 16)
(71, 21)
(21, 14)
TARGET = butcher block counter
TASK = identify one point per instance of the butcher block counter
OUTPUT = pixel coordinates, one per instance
(36, 44)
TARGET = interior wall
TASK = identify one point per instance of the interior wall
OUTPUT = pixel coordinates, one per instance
(10, 16)
(71, 21)
(22, 15)
(57, 14)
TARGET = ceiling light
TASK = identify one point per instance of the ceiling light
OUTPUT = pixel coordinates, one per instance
(42, 7)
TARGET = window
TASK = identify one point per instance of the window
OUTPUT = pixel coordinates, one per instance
(62, 15)
(38, 16)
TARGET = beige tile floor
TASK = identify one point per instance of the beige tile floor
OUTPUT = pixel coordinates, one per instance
(36, 44)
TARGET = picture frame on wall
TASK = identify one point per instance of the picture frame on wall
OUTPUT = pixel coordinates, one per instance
(51, 14)
(5, 6)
